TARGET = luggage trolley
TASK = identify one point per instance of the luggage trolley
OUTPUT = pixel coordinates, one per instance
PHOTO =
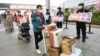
(45, 33)
(24, 32)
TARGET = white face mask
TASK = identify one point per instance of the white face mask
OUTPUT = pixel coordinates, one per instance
(80, 7)
(40, 11)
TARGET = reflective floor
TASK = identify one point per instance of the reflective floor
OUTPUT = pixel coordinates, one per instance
(11, 46)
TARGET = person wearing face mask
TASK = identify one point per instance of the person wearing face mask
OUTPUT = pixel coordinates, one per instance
(60, 14)
(38, 21)
(81, 25)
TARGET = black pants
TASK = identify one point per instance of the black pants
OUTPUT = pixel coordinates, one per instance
(59, 24)
(83, 30)
(47, 21)
(0, 21)
(38, 38)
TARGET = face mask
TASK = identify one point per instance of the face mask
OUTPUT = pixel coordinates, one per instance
(40, 11)
(80, 7)
(59, 10)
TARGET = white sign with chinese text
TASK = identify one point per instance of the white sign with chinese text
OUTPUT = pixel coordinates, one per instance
(82, 17)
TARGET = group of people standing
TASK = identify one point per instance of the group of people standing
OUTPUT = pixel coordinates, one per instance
(38, 20)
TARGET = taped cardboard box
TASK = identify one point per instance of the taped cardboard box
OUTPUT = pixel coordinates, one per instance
(75, 52)
(51, 27)
(53, 51)
(55, 37)
(66, 44)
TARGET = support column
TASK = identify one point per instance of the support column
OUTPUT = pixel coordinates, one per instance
(48, 4)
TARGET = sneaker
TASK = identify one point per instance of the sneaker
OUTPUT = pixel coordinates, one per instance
(83, 40)
(30, 36)
(38, 51)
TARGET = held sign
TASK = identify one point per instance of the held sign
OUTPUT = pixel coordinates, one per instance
(57, 19)
(82, 17)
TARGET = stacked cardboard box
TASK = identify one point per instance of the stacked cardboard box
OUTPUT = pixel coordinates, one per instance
(55, 37)
(54, 40)
(53, 51)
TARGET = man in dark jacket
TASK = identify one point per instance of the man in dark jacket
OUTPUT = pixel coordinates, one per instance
(81, 25)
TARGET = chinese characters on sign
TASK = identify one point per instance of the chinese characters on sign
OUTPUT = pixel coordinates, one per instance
(57, 19)
(82, 17)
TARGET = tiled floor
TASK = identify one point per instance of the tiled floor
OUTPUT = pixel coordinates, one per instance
(11, 46)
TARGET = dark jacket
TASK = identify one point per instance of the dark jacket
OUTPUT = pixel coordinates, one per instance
(48, 13)
(49, 18)
(4, 16)
(59, 13)
(36, 22)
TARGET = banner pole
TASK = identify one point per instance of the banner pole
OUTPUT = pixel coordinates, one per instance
(90, 26)
(90, 29)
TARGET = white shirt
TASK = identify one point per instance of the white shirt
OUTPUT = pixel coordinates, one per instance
(46, 17)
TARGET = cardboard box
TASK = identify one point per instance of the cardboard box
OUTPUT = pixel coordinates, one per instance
(66, 44)
(55, 37)
(50, 27)
(53, 51)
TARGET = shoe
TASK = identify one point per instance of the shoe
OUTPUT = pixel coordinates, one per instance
(77, 37)
(38, 51)
(87, 37)
(83, 40)
(30, 36)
